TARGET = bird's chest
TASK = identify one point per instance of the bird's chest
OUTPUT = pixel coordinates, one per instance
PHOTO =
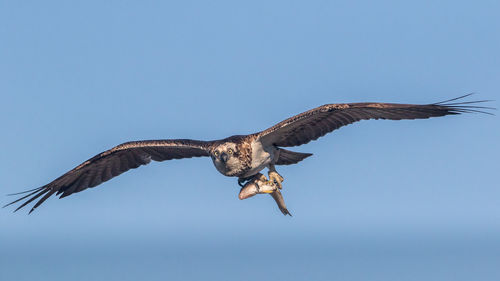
(260, 158)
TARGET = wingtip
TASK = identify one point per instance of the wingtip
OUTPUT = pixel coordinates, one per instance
(457, 98)
(457, 106)
(7, 205)
(37, 193)
(23, 192)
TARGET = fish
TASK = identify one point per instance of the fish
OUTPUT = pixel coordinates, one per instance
(260, 185)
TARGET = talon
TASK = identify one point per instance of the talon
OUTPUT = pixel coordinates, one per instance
(257, 184)
(275, 179)
(261, 177)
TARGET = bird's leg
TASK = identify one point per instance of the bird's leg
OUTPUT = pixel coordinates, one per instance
(274, 177)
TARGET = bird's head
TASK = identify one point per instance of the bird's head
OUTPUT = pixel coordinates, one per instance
(225, 158)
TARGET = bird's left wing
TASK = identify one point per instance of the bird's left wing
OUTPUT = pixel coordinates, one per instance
(317, 122)
(112, 163)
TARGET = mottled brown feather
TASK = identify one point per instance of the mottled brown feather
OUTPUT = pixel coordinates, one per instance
(245, 153)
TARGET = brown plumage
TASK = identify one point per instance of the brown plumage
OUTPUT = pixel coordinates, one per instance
(112, 163)
(310, 125)
(240, 156)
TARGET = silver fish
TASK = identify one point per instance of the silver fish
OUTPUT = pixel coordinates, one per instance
(260, 185)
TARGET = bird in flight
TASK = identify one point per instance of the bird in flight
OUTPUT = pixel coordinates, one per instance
(241, 156)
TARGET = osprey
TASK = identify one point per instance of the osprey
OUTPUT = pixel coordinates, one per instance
(241, 156)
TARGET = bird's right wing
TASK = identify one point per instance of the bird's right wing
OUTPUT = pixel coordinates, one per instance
(112, 163)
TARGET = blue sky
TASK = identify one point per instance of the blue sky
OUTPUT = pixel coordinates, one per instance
(383, 200)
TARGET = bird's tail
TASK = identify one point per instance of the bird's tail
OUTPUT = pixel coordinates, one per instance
(287, 157)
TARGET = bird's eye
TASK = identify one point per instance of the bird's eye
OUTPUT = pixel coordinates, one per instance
(216, 154)
(230, 151)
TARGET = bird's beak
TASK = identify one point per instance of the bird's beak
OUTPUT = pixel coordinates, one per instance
(224, 157)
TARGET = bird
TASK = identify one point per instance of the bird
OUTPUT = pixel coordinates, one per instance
(242, 156)
(259, 184)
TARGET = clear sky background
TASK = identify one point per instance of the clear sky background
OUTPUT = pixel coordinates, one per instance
(379, 200)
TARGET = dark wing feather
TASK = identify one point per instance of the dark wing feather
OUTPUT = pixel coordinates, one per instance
(317, 122)
(112, 163)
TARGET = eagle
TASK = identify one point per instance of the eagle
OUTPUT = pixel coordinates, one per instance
(242, 156)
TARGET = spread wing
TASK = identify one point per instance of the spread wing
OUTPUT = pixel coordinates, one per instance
(112, 163)
(317, 122)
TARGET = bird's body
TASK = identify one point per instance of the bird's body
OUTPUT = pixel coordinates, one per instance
(241, 156)
(246, 156)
